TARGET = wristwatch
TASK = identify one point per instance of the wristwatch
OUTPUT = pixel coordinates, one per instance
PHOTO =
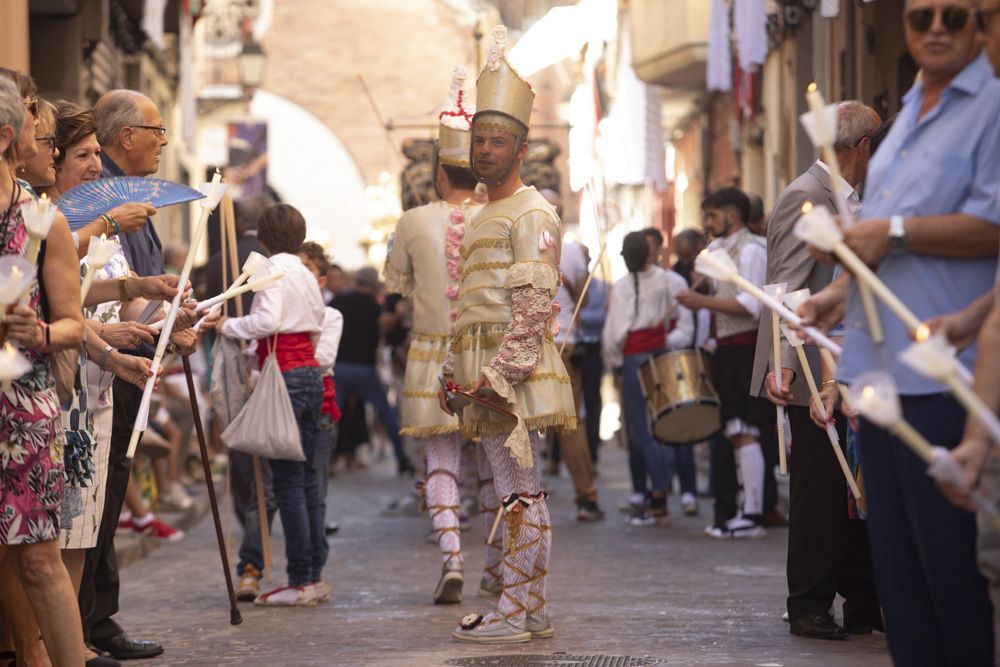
(897, 235)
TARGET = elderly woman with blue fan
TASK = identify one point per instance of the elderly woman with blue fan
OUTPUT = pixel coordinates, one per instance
(31, 486)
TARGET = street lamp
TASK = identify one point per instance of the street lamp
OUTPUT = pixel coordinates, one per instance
(253, 65)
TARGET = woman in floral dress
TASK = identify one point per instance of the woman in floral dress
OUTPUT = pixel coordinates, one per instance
(31, 476)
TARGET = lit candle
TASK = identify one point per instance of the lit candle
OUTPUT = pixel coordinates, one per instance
(717, 264)
(13, 365)
(818, 228)
(254, 263)
(821, 126)
(16, 274)
(777, 291)
(258, 283)
(831, 429)
(99, 253)
(934, 357)
(215, 191)
(38, 218)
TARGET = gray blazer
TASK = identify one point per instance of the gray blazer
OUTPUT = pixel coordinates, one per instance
(789, 261)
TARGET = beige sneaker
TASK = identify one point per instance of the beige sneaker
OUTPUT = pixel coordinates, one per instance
(249, 587)
(474, 629)
(288, 596)
(488, 590)
(539, 626)
(449, 587)
(322, 591)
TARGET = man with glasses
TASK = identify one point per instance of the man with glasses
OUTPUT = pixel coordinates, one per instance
(131, 133)
(930, 226)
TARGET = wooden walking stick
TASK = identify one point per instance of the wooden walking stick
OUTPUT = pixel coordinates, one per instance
(234, 613)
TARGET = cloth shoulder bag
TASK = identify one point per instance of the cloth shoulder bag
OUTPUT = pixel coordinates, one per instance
(266, 426)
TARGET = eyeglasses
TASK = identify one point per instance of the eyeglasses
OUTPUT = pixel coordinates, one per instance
(48, 139)
(953, 18)
(31, 104)
(158, 130)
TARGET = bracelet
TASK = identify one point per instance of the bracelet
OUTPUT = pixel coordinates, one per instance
(123, 290)
(829, 383)
(45, 334)
(104, 357)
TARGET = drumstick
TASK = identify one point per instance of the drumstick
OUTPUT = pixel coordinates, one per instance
(583, 293)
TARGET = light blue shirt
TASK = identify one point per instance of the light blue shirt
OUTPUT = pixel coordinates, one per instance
(947, 162)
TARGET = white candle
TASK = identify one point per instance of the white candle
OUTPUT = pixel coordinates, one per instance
(99, 253)
(16, 274)
(719, 265)
(934, 358)
(831, 429)
(215, 192)
(777, 290)
(258, 284)
(817, 228)
(13, 365)
(38, 218)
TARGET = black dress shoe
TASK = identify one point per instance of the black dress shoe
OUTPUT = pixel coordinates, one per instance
(122, 648)
(102, 661)
(817, 626)
(863, 626)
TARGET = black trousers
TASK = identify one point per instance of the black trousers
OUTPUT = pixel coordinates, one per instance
(592, 370)
(827, 551)
(937, 609)
(769, 446)
(99, 587)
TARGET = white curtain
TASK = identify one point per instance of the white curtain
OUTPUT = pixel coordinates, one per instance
(719, 75)
(750, 21)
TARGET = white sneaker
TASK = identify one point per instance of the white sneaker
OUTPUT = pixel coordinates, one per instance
(689, 504)
(288, 596)
(737, 528)
(176, 497)
(635, 501)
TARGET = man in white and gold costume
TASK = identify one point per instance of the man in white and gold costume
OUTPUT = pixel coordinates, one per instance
(423, 263)
(502, 349)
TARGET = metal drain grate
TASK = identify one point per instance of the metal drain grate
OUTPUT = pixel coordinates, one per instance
(555, 660)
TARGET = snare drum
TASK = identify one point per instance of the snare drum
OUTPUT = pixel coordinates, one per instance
(682, 403)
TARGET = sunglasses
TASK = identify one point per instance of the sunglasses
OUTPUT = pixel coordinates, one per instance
(31, 104)
(953, 18)
(48, 139)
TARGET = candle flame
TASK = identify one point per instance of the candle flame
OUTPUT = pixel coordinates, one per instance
(14, 271)
(8, 348)
(868, 392)
(811, 88)
(104, 237)
(807, 207)
(922, 333)
(44, 196)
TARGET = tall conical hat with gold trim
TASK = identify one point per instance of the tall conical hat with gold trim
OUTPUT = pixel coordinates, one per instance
(454, 135)
(503, 98)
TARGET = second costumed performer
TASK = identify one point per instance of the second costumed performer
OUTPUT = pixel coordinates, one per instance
(503, 349)
(423, 263)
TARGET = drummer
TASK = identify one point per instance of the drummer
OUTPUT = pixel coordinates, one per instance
(644, 318)
(736, 314)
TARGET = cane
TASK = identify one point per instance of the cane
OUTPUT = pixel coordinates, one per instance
(234, 613)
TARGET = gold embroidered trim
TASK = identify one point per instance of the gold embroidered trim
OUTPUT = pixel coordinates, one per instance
(542, 377)
(559, 420)
(490, 242)
(429, 338)
(536, 273)
(476, 289)
(510, 127)
(429, 431)
(546, 212)
(416, 393)
(426, 355)
(483, 335)
(483, 266)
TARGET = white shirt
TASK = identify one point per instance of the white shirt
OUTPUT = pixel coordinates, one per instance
(853, 198)
(293, 305)
(328, 341)
(658, 288)
(752, 265)
(573, 266)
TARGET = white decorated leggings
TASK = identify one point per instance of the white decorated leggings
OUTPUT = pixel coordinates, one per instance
(527, 539)
(444, 462)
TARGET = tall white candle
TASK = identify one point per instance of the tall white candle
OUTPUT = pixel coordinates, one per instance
(777, 290)
(216, 190)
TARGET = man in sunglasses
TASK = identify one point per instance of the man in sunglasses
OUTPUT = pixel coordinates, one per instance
(931, 227)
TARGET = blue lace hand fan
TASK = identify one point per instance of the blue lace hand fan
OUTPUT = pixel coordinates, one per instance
(88, 201)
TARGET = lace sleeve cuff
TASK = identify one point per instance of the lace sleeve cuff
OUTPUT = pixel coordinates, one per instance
(521, 347)
(397, 281)
(541, 275)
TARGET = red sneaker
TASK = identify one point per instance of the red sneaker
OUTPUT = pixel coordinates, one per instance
(125, 520)
(159, 530)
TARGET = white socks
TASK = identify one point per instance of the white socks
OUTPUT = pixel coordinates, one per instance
(751, 459)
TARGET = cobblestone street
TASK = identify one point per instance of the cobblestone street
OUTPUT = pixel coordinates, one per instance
(667, 593)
